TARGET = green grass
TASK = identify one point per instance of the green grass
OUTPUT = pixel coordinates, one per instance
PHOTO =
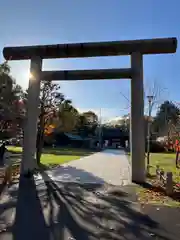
(166, 161)
(154, 195)
(54, 156)
(15, 149)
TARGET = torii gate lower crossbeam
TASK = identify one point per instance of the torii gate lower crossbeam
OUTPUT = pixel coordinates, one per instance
(134, 48)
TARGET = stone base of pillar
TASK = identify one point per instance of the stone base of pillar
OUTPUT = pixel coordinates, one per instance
(139, 179)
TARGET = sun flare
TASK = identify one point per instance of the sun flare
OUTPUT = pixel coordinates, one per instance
(30, 75)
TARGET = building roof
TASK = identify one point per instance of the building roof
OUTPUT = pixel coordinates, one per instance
(75, 137)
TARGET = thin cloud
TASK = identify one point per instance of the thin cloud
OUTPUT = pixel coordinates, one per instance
(105, 113)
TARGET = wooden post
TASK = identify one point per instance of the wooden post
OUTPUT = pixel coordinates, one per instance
(30, 133)
(162, 175)
(169, 183)
(137, 119)
(148, 171)
(158, 172)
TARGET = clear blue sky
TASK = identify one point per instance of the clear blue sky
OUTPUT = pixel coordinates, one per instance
(62, 21)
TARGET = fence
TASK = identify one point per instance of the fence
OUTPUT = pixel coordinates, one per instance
(166, 179)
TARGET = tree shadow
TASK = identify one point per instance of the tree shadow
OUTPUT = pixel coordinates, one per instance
(15, 154)
(29, 222)
(88, 213)
(6, 210)
(47, 209)
(67, 173)
(2, 186)
(29, 214)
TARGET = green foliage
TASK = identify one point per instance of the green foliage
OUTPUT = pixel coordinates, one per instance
(55, 110)
(67, 116)
(10, 96)
(50, 101)
(167, 118)
(87, 124)
(57, 156)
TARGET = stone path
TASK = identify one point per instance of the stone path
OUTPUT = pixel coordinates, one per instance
(108, 166)
(50, 211)
(51, 207)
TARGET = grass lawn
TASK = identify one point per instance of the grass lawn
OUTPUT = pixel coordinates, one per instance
(165, 161)
(153, 191)
(56, 156)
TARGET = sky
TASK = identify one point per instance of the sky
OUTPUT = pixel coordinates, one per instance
(35, 22)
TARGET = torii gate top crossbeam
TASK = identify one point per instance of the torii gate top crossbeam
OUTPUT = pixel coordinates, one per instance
(78, 50)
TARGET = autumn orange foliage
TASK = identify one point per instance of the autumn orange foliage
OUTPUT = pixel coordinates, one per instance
(49, 129)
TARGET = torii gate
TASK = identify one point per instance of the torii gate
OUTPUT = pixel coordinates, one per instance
(136, 49)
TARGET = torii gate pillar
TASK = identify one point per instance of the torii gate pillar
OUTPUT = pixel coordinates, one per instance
(30, 129)
(137, 119)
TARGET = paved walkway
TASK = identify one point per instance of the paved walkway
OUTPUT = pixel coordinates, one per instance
(108, 166)
(49, 210)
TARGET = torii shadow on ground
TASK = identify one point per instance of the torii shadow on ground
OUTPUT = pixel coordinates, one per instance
(56, 210)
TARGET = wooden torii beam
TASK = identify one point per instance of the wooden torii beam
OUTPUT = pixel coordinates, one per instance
(94, 49)
(135, 48)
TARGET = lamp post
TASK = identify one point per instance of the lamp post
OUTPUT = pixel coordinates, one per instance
(150, 100)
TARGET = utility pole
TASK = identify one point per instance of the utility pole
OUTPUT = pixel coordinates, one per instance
(150, 100)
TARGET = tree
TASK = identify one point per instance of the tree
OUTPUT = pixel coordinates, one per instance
(167, 118)
(52, 106)
(167, 122)
(10, 95)
(87, 124)
(91, 122)
(91, 117)
(68, 116)
(5, 69)
(81, 126)
(153, 96)
(50, 97)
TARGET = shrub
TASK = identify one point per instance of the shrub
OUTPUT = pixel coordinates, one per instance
(157, 147)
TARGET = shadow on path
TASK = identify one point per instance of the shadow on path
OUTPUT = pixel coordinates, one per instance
(89, 212)
(29, 222)
(67, 173)
(55, 210)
